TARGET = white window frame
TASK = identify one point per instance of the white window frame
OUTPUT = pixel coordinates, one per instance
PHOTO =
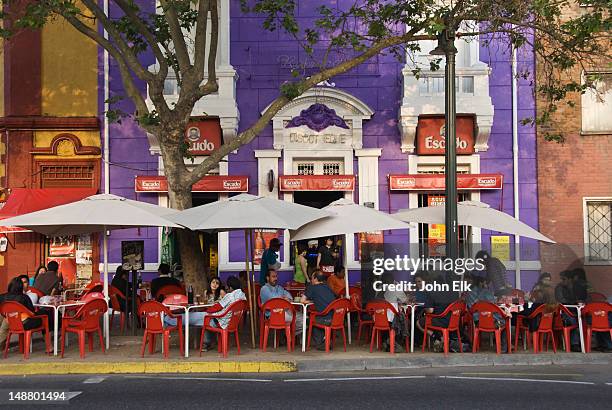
(318, 164)
(586, 97)
(585, 220)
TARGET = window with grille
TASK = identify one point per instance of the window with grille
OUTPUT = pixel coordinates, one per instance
(598, 235)
(326, 166)
(331, 168)
(67, 176)
(305, 168)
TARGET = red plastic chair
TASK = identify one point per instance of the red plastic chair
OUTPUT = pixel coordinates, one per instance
(167, 290)
(114, 295)
(559, 325)
(154, 325)
(14, 313)
(456, 310)
(177, 299)
(93, 287)
(597, 297)
(486, 324)
(91, 296)
(276, 321)
(85, 322)
(236, 310)
(598, 313)
(340, 308)
(545, 327)
(378, 310)
(295, 288)
(362, 323)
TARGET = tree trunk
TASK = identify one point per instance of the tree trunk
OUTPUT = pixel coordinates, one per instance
(192, 258)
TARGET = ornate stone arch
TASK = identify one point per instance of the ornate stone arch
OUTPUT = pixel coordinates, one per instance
(346, 106)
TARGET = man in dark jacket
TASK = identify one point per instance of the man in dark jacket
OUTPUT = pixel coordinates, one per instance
(321, 295)
(163, 279)
(48, 282)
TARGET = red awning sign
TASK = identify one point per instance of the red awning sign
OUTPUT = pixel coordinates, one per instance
(435, 182)
(25, 200)
(210, 183)
(317, 182)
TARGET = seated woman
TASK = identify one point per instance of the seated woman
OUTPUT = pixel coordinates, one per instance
(215, 291)
(16, 293)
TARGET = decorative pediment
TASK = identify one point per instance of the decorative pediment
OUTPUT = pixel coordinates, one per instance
(323, 111)
(66, 145)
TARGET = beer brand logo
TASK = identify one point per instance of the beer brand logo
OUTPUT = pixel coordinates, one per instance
(405, 182)
(293, 183)
(193, 134)
(341, 183)
(487, 181)
(151, 184)
(232, 184)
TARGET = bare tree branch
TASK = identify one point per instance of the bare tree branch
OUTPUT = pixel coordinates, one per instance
(177, 35)
(146, 33)
(247, 136)
(129, 57)
(126, 77)
(200, 38)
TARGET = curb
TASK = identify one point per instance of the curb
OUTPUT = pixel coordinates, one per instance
(145, 368)
(456, 360)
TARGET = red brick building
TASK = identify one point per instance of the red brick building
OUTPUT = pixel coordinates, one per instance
(575, 181)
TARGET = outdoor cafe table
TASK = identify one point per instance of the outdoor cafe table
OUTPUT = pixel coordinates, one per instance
(304, 316)
(56, 307)
(412, 307)
(579, 308)
(187, 309)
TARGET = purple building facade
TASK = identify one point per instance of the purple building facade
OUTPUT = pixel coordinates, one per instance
(385, 111)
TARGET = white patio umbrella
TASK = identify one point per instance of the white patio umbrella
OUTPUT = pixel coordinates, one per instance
(348, 218)
(95, 214)
(247, 212)
(476, 214)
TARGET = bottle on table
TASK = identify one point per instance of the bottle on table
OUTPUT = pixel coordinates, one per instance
(190, 294)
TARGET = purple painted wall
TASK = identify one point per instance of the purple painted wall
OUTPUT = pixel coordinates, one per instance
(262, 60)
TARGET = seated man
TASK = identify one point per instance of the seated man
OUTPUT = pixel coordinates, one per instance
(120, 281)
(436, 303)
(336, 281)
(163, 279)
(321, 295)
(49, 282)
(273, 290)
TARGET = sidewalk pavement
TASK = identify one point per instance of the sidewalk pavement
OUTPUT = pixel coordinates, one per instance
(124, 357)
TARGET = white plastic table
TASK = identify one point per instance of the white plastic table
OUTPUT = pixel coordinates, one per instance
(412, 307)
(56, 307)
(304, 314)
(578, 308)
(187, 309)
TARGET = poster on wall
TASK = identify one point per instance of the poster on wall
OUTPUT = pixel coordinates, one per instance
(84, 258)
(436, 240)
(500, 247)
(261, 239)
(132, 255)
(64, 246)
(369, 242)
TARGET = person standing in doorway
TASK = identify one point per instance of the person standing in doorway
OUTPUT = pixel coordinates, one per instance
(326, 260)
(301, 265)
(269, 260)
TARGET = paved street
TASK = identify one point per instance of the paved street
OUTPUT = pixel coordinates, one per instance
(515, 387)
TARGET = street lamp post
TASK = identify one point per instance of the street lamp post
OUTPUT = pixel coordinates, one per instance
(446, 47)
